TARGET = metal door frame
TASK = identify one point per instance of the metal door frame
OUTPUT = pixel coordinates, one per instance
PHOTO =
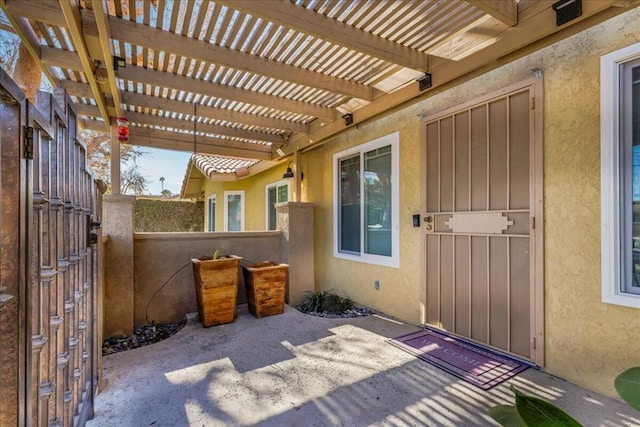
(536, 239)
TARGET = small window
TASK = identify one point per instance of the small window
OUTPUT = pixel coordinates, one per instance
(211, 213)
(366, 190)
(276, 193)
(234, 211)
(620, 176)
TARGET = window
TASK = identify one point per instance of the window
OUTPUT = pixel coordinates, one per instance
(211, 213)
(276, 193)
(234, 211)
(366, 190)
(620, 176)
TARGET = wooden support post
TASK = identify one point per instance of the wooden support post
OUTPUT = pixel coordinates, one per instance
(297, 178)
(115, 161)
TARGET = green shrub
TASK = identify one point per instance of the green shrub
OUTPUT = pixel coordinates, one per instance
(324, 302)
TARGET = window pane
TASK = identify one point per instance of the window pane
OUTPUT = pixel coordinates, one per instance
(272, 208)
(212, 215)
(377, 197)
(234, 213)
(350, 205)
(632, 135)
(283, 193)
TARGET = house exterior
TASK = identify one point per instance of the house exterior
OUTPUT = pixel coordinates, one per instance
(551, 166)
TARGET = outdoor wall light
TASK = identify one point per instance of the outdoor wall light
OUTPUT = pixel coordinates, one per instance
(348, 119)
(289, 173)
(424, 82)
(119, 62)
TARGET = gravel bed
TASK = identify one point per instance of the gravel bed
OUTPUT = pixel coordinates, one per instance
(149, 334)
(142, 335)
(352, 312)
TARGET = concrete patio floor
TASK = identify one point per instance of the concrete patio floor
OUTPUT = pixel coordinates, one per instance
(299, 370)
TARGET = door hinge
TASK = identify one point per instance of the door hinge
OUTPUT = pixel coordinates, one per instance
(533, 342)
(28, 142)
(533, 222)
(533, 102)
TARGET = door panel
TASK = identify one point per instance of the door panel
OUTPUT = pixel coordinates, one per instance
(462, 282)
(478, 185)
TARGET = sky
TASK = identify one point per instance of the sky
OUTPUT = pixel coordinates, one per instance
(156, 163)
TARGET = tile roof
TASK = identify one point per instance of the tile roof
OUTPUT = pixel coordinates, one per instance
(210, 165)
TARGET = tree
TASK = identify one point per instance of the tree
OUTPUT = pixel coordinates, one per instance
(132, 181)
(16, 60)
(166, 193)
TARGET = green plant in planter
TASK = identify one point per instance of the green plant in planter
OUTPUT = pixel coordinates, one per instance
(530, 411)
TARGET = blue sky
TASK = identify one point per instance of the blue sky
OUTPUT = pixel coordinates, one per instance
(156, 163)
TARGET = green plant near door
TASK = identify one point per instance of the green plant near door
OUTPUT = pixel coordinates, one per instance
(530, 411)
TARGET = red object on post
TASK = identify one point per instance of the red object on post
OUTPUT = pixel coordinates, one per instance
(123, 129)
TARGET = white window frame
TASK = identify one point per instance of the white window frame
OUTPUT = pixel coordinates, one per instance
(611, 185)
(389, 261)
(209, 199)
(276, 184)
(226, 208)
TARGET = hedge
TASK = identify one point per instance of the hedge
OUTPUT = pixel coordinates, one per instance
(167, 215)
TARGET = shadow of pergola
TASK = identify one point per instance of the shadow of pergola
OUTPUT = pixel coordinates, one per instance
(298, 370)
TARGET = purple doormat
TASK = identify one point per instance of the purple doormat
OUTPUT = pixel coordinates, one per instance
(478, 366)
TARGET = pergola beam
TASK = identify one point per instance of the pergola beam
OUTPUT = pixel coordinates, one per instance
(44, 11)
(174, 106)
(30, 40)
(214, 113)
(66, 59)
(187, 125)
(101, 15)
(203, 144)
(202, 87)
(71, 11)
(307, 21)
(159, 40)
(505, 11)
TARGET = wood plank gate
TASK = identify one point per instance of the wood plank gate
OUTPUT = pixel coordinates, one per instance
(48, 270)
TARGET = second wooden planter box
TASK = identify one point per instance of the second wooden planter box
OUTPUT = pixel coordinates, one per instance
(216, 284)
(265, 284)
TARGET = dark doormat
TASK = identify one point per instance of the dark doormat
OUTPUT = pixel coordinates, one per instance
(476, 365)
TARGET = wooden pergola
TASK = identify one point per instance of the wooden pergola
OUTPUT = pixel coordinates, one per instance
(260, 79)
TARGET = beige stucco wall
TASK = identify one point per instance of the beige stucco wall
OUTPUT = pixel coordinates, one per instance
(587, 342)
(158, 256)
(254, 187)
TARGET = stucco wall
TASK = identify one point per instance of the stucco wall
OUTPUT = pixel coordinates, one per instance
(254, 187)
(159, 255)
(587, 342)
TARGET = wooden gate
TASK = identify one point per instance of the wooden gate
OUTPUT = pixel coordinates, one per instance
(48, 317)
(483, 193)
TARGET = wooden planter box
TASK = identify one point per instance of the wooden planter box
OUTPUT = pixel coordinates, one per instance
(265, 285)
(216, 283)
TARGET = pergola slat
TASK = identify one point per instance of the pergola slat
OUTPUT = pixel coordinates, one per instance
(178, 44)
(306, 21)
(177, 82)
(277, 71)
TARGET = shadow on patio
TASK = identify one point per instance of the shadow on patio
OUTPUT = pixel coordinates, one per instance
(299, 370)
